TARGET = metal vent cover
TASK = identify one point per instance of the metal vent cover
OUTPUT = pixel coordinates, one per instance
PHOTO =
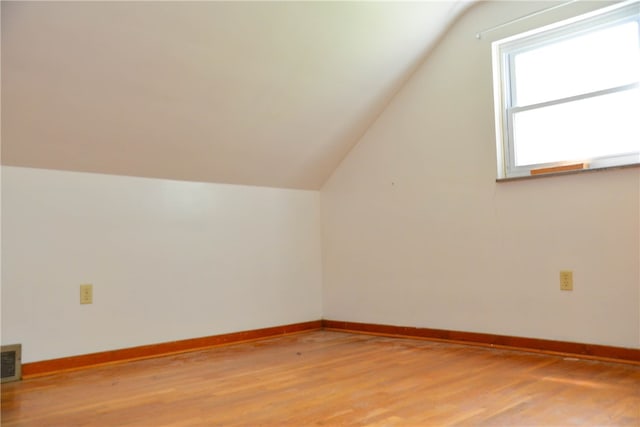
(11, 362)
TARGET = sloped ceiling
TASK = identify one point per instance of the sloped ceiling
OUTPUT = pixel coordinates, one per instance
(259, 93)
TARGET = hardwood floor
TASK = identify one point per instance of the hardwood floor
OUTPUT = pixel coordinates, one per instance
(330, 379)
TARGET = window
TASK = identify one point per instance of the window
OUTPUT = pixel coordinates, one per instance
(567, 96)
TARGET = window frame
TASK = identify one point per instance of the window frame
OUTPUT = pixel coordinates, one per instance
(504, 52)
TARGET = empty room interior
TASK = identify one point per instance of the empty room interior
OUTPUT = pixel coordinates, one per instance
(320, 213)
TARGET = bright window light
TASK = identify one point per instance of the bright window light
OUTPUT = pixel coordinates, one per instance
(570, 93)
(576, 131)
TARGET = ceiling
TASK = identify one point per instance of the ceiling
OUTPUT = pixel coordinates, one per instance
(259, 93)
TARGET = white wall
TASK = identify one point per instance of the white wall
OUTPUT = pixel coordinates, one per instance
(417, 232)
(168, 260)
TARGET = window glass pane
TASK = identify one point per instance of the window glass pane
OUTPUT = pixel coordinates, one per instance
(593, 127)
(599, 60)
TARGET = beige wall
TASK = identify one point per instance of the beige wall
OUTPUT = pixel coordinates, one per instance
(168, 260)
(417, 232)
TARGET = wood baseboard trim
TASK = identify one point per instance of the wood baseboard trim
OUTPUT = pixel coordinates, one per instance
(48, 367)
(559, 348)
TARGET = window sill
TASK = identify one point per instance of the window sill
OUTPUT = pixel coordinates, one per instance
(571, 172)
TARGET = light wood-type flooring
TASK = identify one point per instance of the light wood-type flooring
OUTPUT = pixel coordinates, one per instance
(325, 378)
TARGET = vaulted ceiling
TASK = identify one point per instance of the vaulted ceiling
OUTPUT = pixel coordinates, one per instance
(259, 93)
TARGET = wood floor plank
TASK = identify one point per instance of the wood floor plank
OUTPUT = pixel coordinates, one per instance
(326, 378)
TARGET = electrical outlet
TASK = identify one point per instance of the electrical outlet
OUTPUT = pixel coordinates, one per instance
(86, 294)
(566, 280)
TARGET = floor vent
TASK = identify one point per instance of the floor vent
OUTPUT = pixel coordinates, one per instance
(11, 362)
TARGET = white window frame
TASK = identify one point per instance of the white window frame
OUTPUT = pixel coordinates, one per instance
(504, 80)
